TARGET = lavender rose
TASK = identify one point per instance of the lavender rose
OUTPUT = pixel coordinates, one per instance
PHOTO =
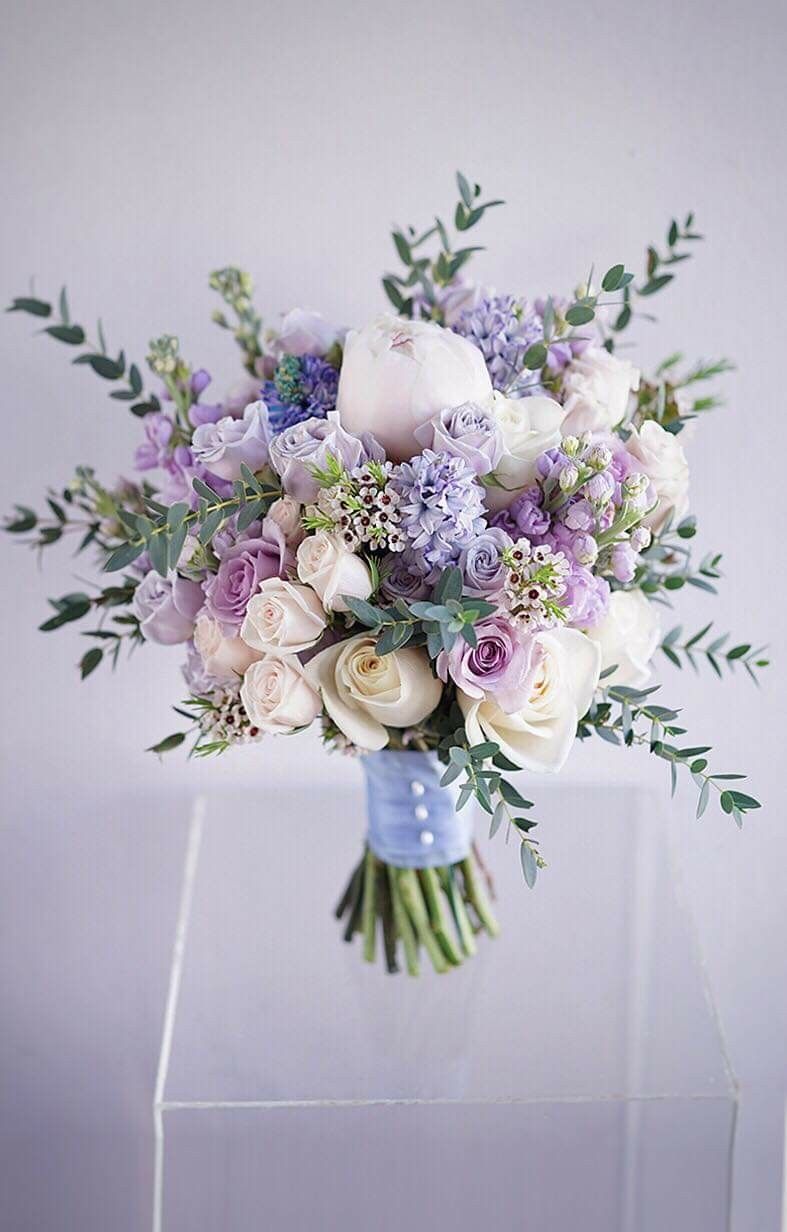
(402, 577)
(242, 568)
(501, 664)
(482, 565)
(308, 443)
(166, 608)
(465, 431)
(223, 446)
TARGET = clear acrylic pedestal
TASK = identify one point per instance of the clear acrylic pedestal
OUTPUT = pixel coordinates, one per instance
(570, 1076)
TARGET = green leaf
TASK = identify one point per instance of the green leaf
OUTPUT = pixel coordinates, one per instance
(580, 314)
(77, 607)
(36, 307)
(90, 661)
(656, 284)
(367, 613)
(403, 248)
(535, 356)
(465, 191)
(450, 775)
(158, 549)
(74, 335)
(702, 802)
(529, 866)
(611, 280)
(122, 556)
(498, 817)
(512, 796)
(726, 801)
(394, 295)
(168, 743)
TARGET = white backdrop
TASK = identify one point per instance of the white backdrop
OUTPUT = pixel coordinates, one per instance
(144, 145)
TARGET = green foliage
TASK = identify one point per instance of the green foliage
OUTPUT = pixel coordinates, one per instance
(668, 398)
(658, 274)
(162, 531)
(96, 357)
(425, 273)
(666, 565)
(698, 647)
(435, 623)
(628, 716)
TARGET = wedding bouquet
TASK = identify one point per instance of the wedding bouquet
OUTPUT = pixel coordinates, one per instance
(446, 538)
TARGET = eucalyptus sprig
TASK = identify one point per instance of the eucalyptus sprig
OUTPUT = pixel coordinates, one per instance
(668, 398)
(436, 623)
(615, 717)
(162, 530)
(666, 565)
(426, 273)
(236, 288)
(97, 356)
(698, 647)
(657, 275)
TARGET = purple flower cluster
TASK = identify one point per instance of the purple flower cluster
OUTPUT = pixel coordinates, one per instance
(442, 509)
(502, 327)
(303, 387)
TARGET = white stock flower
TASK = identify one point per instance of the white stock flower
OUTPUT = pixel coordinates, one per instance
(326, 565)
(540, 736)
(596, 390)
(628, 637)
(659, 455)
(277, 697)
(396, 374)
(224, 658)
(283, 618)
(529, 427)
(364, 692)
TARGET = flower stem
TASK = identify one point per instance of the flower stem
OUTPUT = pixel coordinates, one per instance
(478, 898)
(430, 885)
(369, 914)
(387, 917)
(458, 910)
(403, 925)
(413, 902)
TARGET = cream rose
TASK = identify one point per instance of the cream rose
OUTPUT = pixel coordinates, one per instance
(277, 697)
(628, 636)
(286, 513)
(397, 374)
(540, 736)
(596, 390)
(226, 658)
(283, 618)
(529, 427)
(326, 565)
(364, 693)
(659, 455)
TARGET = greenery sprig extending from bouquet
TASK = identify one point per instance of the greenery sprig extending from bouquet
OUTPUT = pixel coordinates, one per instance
(500, 550)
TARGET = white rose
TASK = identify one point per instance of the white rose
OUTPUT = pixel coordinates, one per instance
(540, 736)
(364, 693)
(529, 426)
(283, 618)
(659, 455)
(397, 374)
(286, 513)
(596, 389)
(277, 697)
(305, 332)
(326, 565)
(225, 658)
(628, 636)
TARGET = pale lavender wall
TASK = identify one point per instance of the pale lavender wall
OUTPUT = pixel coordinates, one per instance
(143, 145)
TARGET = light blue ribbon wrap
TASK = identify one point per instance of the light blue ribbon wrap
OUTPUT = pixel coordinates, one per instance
(413, 822)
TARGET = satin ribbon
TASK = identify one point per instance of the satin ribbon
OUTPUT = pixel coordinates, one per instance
(412, 820)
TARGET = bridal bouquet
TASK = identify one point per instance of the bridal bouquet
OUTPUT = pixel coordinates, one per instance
(447, 538)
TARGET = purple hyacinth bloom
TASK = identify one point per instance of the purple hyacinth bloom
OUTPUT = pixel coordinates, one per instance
(502, 327)
(482, 562)
(442, 508)
(304, 387)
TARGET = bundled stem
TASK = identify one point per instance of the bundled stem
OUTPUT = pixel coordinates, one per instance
(428, 908)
